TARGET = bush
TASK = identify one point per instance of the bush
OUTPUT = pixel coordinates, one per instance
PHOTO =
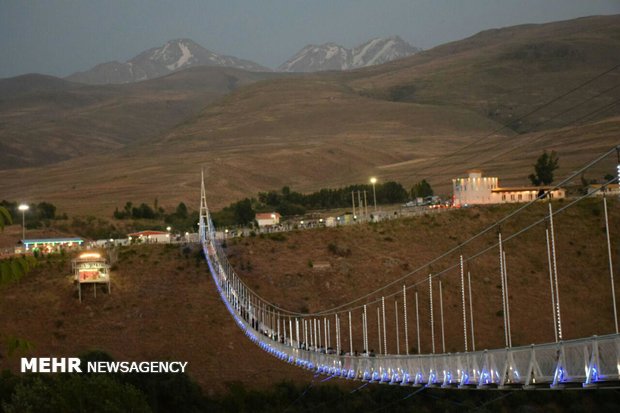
(278, 236)
(339, 251)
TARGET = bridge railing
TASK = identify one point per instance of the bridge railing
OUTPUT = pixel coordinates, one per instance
(586, 362)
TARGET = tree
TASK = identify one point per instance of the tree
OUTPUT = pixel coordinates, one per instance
(11, 270)
(181, 211)
(46, 210)
(5, 218)
(143, 211)
(391, 192)
(545, 165)
(421, 190)
(244, 213)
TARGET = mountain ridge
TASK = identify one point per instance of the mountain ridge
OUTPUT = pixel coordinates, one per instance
(174, 55)
(332, 56)
(395, 121)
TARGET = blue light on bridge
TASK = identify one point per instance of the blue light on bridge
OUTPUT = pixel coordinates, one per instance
(465, 379)
(385, 377)
(395, 379)
(558, 377)
(419, 378)
(432, 378)
(592, 375)
(485, 377)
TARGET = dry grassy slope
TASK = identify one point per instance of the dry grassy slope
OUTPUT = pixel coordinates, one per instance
(307, 132)
(333, 129)
(45, 120)
(280, 271)
(504, 73)
(163, 306)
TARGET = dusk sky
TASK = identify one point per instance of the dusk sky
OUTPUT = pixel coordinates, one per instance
(59, 37)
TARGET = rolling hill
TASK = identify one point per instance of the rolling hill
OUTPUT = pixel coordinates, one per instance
(432, 115)
(45, 120)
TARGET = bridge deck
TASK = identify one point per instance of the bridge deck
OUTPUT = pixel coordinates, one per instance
(571, 364)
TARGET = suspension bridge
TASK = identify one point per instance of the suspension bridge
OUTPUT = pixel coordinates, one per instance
(323, 342)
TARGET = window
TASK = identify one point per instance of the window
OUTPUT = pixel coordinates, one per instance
(520, 197)
(512, 197)
(503, 197)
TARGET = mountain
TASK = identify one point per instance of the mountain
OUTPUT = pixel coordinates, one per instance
(429, 116)
(45, 120)
(330, 56)
(504, 73)
(173, 56)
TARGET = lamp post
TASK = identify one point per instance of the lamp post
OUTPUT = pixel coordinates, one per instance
(23, 208)
(169, 237)
(373, 181)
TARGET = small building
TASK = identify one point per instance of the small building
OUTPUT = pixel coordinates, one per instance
(476, 189)
(267, 219)
(346, 219)
(91, 268)
(609, 190)
(330, 222)
(47, 245)
(150, 236)
(525, 193)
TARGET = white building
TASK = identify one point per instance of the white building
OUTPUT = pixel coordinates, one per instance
(476, 189)
(267, 219)
(330, 222)
(150, 236)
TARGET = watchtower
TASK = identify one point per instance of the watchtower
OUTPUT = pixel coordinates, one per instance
(91, 268)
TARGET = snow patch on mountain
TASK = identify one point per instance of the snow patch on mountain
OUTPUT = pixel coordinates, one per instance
(330, 56)
(186, 55)
(159, 61)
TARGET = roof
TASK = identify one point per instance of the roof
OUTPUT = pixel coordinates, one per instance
(51, 240)
(89, 256)
(267, 215)
(609, 186)
(526, 189)
(147, 233)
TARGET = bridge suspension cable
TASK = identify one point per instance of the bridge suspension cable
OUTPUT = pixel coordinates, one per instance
(521, 366)
(490, 227)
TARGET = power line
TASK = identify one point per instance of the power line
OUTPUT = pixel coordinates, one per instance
(546, 104)
(461, 245)
(506, 125)
(536, 137)
(349, 305)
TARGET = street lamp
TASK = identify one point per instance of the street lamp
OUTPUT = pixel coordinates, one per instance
(373, 181)
(23, 208)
